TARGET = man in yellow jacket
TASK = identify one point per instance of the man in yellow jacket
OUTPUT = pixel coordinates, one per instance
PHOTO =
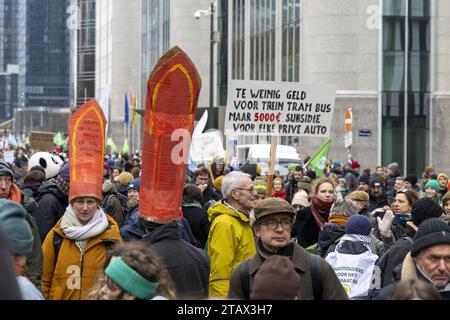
(230, 239)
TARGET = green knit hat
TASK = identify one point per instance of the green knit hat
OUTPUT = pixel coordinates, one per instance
(433, 184)
(260, 185)
(15, 227)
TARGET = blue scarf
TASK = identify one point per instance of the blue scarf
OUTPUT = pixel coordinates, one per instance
(402, 217)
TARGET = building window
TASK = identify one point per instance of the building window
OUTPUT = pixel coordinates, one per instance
(238, 40)
(155, 36)
(291, 41)
(411, 55)
(262, 40)
(222, 68)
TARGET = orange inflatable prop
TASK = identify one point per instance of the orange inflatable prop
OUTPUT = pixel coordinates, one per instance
(172, 96)
(86, 151)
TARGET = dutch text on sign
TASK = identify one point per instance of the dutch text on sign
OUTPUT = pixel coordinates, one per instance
(279, 108)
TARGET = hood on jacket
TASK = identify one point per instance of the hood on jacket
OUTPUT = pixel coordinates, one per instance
(109, 187)
(355, 173)
(329, 235)
(352, 247)
(167, 231)
(51, 187)
(220, 208)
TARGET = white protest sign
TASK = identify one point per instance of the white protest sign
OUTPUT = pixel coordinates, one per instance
(348, 139)
(207, 146)
(279, 108)
(353, 271)
(9, 156)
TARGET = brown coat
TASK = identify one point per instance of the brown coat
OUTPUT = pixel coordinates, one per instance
(332, 288)
(62, 281)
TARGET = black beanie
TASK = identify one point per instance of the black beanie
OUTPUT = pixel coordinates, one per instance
(5, 169)
(364, 178)
(411, 178)
(251, 169)
(424, 209)
(311, 174)
(432, 232)
(375, 180)
(37, 168)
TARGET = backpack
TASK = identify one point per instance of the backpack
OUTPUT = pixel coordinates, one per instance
(122, 198)
(315, 264)
(385, 261)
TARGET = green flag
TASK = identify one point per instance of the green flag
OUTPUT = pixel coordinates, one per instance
(58, 139)
(112, 145)
(319, 159)
(65, 145)
(125, 147)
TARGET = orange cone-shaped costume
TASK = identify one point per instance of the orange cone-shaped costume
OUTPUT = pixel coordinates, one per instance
(86, 151)
(172, 97)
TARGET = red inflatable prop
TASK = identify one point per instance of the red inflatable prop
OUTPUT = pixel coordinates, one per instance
(172, 96)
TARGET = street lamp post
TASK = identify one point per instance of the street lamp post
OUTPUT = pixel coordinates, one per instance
(210, 12)
(211, 115)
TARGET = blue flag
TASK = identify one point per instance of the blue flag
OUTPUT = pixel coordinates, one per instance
(127, 111)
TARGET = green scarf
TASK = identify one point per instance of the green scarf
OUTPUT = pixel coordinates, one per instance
(194, 204)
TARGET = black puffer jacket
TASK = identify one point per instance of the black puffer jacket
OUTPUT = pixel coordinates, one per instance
(112, 206)
(198, 221)
(328, 238)
(291, 189)
(305, 228)
(51, 205)
(378, 202)
(392, 258)
(187, 265)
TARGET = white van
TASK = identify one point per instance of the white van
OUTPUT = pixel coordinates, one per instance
(260, 154)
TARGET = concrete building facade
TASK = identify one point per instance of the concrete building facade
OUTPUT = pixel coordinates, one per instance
(389, 60)
(117, 59)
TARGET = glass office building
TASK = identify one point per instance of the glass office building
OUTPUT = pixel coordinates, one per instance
(10, 37)
(406, 83)
(44, 57)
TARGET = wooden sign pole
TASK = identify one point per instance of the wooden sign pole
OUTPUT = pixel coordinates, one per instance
(271, 170)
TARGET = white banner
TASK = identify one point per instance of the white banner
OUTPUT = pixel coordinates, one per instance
(8, 156)
(207, 146)
(353, 271)
(279, 109)
(200, 125)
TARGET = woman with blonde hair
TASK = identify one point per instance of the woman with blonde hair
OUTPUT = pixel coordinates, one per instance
(311, 220)
(278, 188)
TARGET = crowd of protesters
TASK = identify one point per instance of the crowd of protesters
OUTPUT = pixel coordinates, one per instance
(352, 234)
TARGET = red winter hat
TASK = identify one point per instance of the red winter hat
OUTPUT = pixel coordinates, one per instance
(355, 164)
